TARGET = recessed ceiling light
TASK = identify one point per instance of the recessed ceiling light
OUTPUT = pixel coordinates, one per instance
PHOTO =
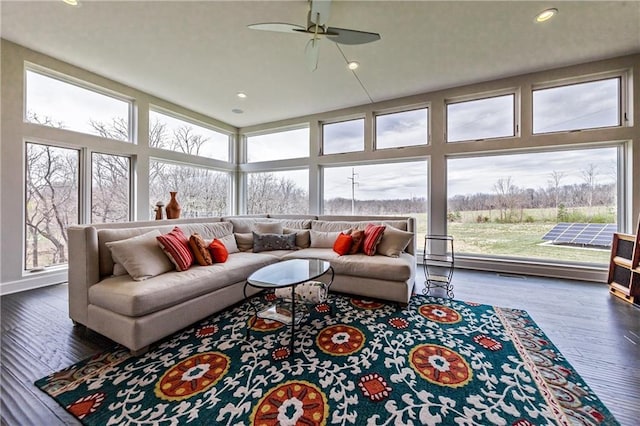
(546, 14)
(237, 111)
(72, 2)
(241, 95)
(353, 65)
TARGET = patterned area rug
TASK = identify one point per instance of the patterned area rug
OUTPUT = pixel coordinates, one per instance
(356, 362)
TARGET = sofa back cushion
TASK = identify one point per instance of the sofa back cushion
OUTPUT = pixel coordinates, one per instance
(141, 256)
(324, 225)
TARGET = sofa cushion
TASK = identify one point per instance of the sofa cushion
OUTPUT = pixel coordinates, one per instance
(268, 227)
(380, 267)
(295, 223)
(244, 240)
(218, 251)
(303, 236)
(140, 256)
(208, 231)
(323, 239)
(127, 297)
(176, 246)
(323, 225)
(229, 242)
(372, 237)
(200, 251)
(357, 235)
(245, 224)
(343, 244)
(268, 242)
(393, 242)
(312, 253)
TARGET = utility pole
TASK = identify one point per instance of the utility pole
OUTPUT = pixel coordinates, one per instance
(353, 190)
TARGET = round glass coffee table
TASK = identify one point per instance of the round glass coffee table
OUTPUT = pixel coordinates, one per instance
(288, 273)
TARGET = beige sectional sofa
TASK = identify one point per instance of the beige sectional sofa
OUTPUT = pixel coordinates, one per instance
(138, 313)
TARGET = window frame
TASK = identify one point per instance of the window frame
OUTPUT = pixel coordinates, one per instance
(322, 123)
(244, 142)
(190, 120)
(624, 118)
(82, 84)
(392, 111)
(515, 92)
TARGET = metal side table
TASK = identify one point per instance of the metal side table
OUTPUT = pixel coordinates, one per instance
(438, 262)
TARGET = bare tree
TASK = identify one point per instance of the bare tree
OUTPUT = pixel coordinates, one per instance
(589, 176)
(508, 197)
(268, 193)
(556, 177)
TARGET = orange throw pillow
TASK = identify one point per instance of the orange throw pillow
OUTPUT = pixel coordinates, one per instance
(200, 250)
(343, 244)
(218, 251)
(358, 240)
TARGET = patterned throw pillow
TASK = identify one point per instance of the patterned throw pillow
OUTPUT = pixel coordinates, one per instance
(343, 244)
(200, 250)
(218, 251)
(176, 246)
(372, 237)
(268, 242)
(357, 236)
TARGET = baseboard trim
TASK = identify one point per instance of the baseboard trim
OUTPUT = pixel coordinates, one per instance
(30, 283)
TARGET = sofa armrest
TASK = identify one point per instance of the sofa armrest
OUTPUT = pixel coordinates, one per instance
(84, 269)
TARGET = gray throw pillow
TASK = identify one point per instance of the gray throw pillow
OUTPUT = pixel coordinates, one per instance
(268, 242)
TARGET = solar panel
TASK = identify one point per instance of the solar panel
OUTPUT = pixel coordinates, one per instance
(588, 234)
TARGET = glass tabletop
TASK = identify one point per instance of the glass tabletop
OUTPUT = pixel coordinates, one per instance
(289, 272)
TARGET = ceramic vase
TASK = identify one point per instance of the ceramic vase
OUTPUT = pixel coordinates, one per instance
(173, 207)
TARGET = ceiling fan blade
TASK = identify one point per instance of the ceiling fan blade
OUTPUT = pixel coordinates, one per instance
(312, 53)
(346, 36)
(320, 12)
(281, 27)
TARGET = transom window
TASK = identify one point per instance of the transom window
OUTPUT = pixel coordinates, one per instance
(176, 134)
(344, 136)
(56, 103)
(279, 145)
(577, 106)
(478, 119)
(406, 128)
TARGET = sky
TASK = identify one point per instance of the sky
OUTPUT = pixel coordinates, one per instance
(586, 105)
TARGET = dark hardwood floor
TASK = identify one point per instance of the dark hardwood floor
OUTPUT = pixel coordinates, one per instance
(598, 334)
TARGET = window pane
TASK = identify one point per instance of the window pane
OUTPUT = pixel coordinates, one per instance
(395, 189)
(174, 134)
(278, 192)
(51, 203)
(481, 119)
(55, 103)
(109, 188)
(521, 198)
(407, 128)
(346, 136)
(578, 106)
(278, 146)
(281, 192)
(201, 192)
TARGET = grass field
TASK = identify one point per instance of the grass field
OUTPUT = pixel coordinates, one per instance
(518, 239)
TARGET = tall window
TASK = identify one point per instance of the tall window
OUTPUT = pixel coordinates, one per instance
(56, 103)
(278, 145)
(345, 136)
(515, 208)
(51, 203)
(110, 188)
(481, 119)
(577, 106)
(396, 189)
(174, 134)
(201, 192)
(406, 128)
(278, 192)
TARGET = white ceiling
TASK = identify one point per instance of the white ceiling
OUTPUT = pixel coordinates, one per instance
(200, 54)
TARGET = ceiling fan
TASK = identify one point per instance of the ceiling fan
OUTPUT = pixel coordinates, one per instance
(317, 19)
